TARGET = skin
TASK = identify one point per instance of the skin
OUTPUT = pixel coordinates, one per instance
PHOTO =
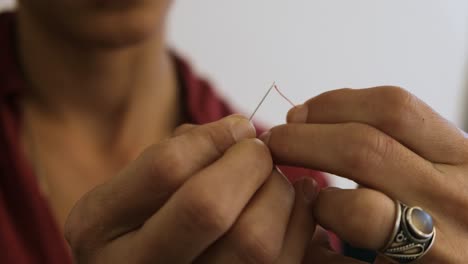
(100, 83)
(99, 111)
(218, 206)
(388, 140)
(102, 93)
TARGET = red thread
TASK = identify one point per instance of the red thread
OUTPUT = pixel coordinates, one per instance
(266, 95)
(284, 96)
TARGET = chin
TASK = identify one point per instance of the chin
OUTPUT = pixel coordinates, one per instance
(100, 24)
(120, 30)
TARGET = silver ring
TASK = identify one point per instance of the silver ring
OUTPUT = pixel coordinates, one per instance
(412, 236)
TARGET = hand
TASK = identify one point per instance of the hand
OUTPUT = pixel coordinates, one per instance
(321, 252)
(207, 195)
(395, 145)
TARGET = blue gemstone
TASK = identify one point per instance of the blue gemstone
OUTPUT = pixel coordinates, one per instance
(422, 221)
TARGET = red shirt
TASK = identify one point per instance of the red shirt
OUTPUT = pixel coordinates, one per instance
(28, 231)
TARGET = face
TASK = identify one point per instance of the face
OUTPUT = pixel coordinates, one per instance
(106, 23)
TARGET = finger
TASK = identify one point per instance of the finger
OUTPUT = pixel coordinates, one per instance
(369, 214)
(383, 260)
(427, 258)
(321, 238)
(301, 225)
(358, 152)
(182, 129)
(394, 111)
(205, 207)
(317, 254)
(127, 200)
(370, 219)
(258, 234)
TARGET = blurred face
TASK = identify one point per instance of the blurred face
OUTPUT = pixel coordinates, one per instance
(104, 23)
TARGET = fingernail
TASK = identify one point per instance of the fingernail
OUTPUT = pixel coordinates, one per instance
(265, 137)
(298, 114)
(242, 128)
(309, 189)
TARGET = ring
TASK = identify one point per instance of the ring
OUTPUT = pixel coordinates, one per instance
(412, 236)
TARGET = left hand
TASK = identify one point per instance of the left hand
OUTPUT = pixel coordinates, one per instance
(396, 146)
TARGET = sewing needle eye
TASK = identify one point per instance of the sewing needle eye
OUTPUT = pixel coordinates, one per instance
(273, 86)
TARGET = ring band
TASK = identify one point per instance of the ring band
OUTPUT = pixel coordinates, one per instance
(412, 236)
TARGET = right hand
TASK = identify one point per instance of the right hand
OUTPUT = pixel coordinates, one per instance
(210, 194)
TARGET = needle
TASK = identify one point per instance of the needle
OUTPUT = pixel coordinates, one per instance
(266, 95)
(263, 99)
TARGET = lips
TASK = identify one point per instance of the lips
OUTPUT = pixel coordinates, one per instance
(116, 3)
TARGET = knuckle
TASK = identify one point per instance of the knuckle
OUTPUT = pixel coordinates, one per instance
(398, 106)
(204, 212)
(162, 167)
(283, 132)
(256, 153)
(396, 96)
(80, 230)
(171, 154)
(451, 193)
(372, 231)
(330, 96)
(463, 147)
(460, 147)
(255, 247)
(216, 135)
(255, 148)
(369, 148)
(183, 128)
(168, 164)
(73, 230)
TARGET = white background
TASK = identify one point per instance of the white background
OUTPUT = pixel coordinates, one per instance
(310, 46)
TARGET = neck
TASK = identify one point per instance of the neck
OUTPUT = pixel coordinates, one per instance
(111, 95)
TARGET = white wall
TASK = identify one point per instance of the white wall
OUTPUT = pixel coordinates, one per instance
(310, 46)
(6, 3)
